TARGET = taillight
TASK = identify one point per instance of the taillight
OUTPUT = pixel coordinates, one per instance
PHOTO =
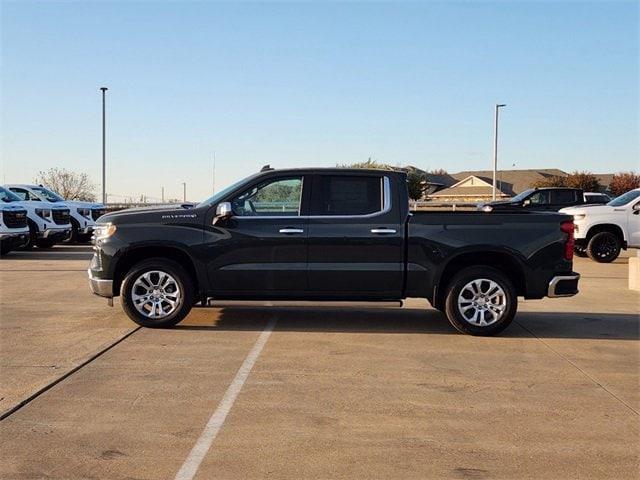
(568, 228)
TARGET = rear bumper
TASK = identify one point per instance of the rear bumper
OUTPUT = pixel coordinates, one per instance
(563, 285)
(100, 286)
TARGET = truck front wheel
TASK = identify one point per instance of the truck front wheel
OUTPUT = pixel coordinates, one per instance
(157, 293)
(604, 247)
(480, 301)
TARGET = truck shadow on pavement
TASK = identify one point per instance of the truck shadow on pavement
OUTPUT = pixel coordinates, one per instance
(578, 325)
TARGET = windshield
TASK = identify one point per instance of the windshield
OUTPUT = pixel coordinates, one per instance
(8, 196)
(224, 192)
(522, 195)
(624, 199)
(48, 194)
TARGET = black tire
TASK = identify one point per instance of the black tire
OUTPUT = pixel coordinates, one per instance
(604, 247)
(33, 236)
(84, 238)
(580, 251)
(73, 238)
(4, 251)
(484, 274)
(45, 243)
(184, 284)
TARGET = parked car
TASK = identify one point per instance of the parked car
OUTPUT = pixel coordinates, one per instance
(48, 222)
(82, 214)
(591, 198)
(545, 199)
(14, 232)
(330, 234)
(603, 230)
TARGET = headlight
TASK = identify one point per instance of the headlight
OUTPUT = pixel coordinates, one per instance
(577, 218)
(85, 212)
(104, 231)
(43, 213)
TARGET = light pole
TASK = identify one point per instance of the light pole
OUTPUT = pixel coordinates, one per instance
(213, 179)
(495, 148)
(104, 144)
(184, 192)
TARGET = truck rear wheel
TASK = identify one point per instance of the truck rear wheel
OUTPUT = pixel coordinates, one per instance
(604, 247)
(157, 293)
(480, 301)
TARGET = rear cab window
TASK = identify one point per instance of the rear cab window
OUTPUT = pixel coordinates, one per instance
(564, 197)
(348, 195)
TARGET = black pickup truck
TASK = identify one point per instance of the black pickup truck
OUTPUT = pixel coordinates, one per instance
(330, 234)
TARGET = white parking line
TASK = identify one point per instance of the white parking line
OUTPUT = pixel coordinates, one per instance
(192, 463)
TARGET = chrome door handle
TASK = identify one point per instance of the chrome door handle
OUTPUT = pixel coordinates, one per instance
(291, 230)
(383, 231)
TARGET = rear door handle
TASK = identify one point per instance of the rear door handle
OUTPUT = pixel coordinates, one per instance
(291, 231)
(383, 231)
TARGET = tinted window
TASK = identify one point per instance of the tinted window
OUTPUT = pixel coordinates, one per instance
(272, 198)
(23, 194)
(347, 195)
(565, 197)
(596, 198)
(625, 198)
(539, 198)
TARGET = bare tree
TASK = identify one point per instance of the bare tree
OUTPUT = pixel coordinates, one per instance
(70, 185)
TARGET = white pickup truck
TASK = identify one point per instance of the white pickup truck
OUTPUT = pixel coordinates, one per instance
(601, 231)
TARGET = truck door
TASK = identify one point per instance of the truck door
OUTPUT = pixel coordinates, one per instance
(633, 225)
(356, 236)
(261, 251)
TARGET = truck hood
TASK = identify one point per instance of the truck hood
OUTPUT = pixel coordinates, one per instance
(45, 205)
(12, 206)
(591, 210)
(79, 204)
(181, 213)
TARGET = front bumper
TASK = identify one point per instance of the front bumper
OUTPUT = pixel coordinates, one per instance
(12, 241)
(563, 285)
(55, 234)
(100, 286)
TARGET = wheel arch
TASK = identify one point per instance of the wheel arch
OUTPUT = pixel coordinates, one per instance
(505, 261)
(136, 255)
(607, 227)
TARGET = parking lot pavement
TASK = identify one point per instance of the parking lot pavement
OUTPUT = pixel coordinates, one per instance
(335, 393)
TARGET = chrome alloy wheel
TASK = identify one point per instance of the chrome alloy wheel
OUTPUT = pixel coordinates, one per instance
(156, 294)
(482, 302)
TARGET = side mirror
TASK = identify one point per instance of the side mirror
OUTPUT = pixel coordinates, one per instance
(223, 211)
(636, 209)
(526, 203)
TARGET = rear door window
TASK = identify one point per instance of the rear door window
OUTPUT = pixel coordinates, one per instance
(338, 195)
(564, 197)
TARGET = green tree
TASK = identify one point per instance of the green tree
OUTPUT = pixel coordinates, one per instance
(415, 185)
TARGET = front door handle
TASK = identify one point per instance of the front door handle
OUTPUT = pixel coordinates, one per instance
(383, 231)
(291, 231)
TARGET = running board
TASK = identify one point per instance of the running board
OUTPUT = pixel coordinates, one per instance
(213, 303)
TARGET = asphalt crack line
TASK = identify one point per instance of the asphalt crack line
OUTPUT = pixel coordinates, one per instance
(214, 425)
(52, 384)
(579, 369)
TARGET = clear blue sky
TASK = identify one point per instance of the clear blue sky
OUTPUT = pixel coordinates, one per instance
(302, 84)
